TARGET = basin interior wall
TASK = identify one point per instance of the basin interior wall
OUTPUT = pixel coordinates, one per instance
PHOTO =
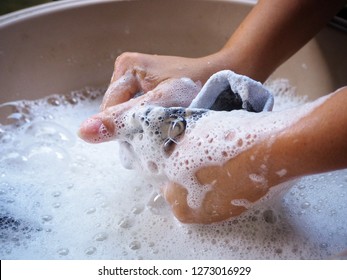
(67, 45)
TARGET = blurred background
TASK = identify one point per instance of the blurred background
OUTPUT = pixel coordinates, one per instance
(7, 6)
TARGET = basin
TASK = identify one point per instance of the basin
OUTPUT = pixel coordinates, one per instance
(53, 44)
(66, 46)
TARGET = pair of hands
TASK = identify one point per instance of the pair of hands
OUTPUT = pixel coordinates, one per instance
(302, 150)
(159, 80)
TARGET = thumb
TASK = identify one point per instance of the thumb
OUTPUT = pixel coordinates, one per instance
(93, 130)
(102, 127)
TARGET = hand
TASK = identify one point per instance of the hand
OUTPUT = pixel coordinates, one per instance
(200, 155)
(140, 73)
(233, 183)
(161, 80)
(104, 126)
(304, 140)
(232, 190)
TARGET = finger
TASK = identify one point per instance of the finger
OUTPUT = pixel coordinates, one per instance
(102, 126)
(90, 129)
(173, 93)
(176, 196)
(121, 90)
(105, 125)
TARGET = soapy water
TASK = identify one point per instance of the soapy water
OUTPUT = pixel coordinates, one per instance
(61, 198)
(171, 144)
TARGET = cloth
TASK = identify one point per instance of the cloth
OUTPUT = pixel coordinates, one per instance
(226, 91)
(159, 128)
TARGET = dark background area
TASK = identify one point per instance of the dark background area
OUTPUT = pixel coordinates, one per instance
(7, 6)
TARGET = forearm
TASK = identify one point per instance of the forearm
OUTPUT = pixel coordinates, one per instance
(316, 143)
(272, 32)
(304, 140)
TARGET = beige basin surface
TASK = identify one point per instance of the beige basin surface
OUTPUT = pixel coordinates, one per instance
(67, 45)
(51, 177)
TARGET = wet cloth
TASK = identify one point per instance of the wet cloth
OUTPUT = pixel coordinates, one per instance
(226, 91)
(150, 134)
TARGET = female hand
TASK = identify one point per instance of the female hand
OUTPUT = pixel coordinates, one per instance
(158, 80)
(305, 140)
(141, 79)
(141, 73)
(249, 51)
(234, 170)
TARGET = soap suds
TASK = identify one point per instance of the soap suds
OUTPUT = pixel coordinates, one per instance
(61, 198)
(165, 136)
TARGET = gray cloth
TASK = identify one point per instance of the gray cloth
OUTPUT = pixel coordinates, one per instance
(161, 128)
(226, 91)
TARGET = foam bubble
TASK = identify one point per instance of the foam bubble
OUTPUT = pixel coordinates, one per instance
(49, 132)
(108, 212)
(158, 141)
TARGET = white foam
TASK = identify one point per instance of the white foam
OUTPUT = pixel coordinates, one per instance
(85, 205)
(220, 136)
(281, 172)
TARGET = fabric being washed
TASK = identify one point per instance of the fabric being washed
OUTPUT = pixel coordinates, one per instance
(162, 128)
(226, 91)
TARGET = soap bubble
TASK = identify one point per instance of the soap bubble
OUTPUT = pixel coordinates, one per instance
(61, 198)
(39, 156)
(49, 132)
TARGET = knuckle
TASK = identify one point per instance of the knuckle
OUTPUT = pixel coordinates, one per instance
(126, 59)
(128, 62)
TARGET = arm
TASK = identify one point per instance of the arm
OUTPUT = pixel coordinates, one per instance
(317, 143)
(314, 143)
(270, 34)
(273, 31)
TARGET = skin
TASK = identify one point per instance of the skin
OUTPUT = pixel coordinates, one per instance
(316, 143)
(269, 35)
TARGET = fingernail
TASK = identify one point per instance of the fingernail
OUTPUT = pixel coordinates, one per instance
(90, 130)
